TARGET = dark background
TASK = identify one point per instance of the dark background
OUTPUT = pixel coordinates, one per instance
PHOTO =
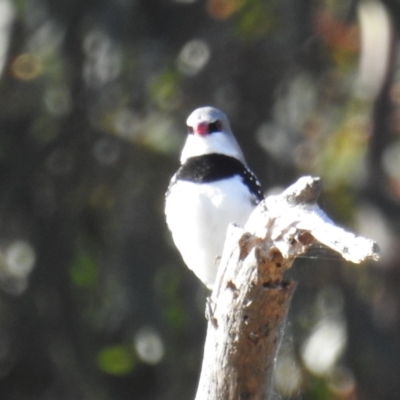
(95, 302)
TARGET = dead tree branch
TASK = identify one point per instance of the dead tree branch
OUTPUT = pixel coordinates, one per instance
(248, 307)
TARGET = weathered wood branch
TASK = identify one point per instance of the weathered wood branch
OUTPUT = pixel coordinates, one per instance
(249, 304)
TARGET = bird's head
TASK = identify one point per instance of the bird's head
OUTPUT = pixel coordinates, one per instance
(209, 132)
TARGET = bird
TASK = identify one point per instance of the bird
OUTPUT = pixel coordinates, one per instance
(212, 188)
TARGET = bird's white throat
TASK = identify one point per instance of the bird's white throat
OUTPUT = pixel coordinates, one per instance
(217, 142)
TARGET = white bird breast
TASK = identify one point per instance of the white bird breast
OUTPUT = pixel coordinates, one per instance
(198, 215)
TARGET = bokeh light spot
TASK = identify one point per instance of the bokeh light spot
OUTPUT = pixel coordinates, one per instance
(222, 9)
(20, 259)
(148, 345)
(26, 67)
(103, 59)
(324, 346)
(58, 101)
(288, 375)
(193, 57)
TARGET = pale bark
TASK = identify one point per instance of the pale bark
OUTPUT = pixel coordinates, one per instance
(248, 307)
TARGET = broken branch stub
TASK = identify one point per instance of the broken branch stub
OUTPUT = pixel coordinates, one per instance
(249, 304)
(248, 311)
(295, 222)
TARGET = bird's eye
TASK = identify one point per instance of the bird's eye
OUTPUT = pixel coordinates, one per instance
(190, 130)
(215, 126)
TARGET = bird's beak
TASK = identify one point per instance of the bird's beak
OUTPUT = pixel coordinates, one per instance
(201, 129)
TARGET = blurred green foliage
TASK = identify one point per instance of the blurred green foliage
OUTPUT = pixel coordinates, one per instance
(256, 19)
(83, 270)
(115, 360)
